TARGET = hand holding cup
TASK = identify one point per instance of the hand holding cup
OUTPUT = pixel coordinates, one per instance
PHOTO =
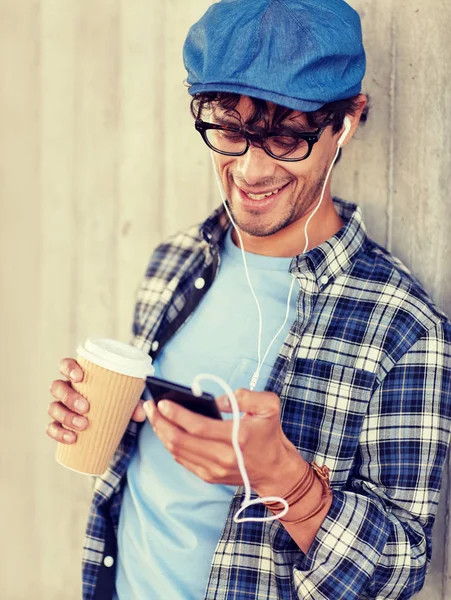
(96, 404)
(69, 405)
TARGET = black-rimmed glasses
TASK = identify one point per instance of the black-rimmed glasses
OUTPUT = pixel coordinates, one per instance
(281, 144)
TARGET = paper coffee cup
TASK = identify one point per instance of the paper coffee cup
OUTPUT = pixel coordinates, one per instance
(113, 383)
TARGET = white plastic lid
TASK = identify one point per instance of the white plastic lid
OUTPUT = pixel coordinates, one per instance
(117, 356)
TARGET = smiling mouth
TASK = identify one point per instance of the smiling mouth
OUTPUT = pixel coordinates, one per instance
(263, 195)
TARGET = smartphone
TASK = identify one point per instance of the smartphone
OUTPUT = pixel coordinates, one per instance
(167, 390)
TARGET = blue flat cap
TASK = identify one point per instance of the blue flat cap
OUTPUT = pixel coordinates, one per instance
(300, 54)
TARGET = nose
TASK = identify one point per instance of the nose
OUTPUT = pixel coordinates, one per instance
(255, 165)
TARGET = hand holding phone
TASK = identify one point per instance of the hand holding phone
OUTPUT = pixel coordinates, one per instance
(167, 390)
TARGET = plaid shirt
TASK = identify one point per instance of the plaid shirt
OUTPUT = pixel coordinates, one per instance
(364, 379)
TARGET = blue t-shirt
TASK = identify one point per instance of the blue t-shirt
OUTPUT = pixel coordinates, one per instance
(171, 520)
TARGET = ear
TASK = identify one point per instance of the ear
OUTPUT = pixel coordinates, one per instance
(354, 119)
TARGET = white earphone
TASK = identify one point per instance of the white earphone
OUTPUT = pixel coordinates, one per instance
(195, 386)
(347, 125)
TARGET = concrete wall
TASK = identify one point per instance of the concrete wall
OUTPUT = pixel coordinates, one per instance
(99, 161)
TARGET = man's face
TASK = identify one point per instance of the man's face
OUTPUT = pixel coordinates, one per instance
(256, 173)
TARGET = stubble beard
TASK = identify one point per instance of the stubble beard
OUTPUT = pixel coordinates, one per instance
(297, 207)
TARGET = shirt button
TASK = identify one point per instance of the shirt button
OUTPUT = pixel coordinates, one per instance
(108, 561)
(155, 346)
(199, 283)
(324, 279)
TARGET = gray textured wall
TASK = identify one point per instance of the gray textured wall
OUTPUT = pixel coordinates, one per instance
(99, 161)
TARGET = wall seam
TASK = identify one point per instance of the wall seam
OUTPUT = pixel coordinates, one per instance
(391, 148)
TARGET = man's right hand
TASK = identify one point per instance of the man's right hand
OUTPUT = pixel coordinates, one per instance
(70, 409)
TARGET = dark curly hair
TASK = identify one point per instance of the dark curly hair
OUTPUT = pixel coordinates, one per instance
(330, 114)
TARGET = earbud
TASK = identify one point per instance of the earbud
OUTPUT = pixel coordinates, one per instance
(347, 125)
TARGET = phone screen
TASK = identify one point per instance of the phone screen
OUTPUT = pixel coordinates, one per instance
(167, 390)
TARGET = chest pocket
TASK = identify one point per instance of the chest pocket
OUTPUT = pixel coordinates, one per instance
(243, 371)
(323, 409)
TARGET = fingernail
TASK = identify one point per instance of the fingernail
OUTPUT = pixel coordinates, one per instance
(78, 421)
(149, 409)
(164, 407)
(223, 402)
(81, 405)
(68, 437)
(73, 374)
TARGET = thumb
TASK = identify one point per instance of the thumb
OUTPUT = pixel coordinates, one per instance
(262, 404)
(139, 414)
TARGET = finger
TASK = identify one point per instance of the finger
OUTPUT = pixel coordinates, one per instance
(139, 414)
(185, 456)
(160, 425)
(208, 471)
(211, 461)
(178, 441)
(257, 404)
(206, 474)
(61, 414)
(71, 369)
(196, 469)
(64, 392)
(58, 433)
(223, 404)
(195, 424)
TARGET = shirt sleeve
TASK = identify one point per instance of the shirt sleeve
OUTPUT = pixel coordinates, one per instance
(375, 542)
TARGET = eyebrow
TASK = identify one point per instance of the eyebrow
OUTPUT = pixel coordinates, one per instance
(293, 126)
(226, 122)
(297, 126)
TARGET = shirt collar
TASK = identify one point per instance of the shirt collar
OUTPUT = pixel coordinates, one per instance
(336, 255)
(215, 227)
(326, 261)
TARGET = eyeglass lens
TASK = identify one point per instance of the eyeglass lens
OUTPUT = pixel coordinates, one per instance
(232, 141)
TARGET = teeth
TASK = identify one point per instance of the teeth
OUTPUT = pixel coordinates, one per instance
(261, 196)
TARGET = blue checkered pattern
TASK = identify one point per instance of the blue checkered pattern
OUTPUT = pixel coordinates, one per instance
(364, 378)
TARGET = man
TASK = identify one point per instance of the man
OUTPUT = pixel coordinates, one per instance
(356, 378)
